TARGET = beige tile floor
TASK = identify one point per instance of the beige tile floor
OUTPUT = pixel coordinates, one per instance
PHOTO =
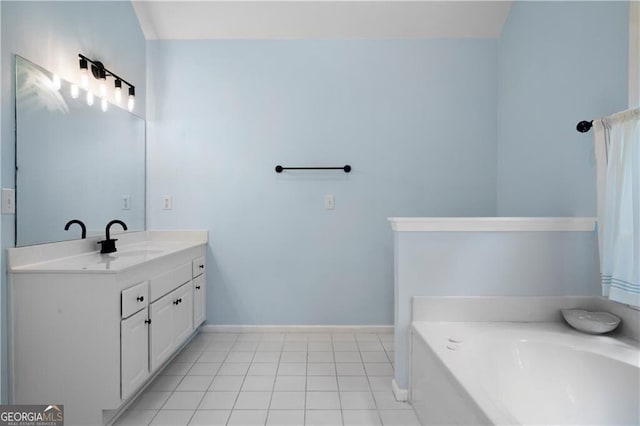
(275, 379)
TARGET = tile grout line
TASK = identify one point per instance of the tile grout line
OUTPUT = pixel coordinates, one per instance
(273, 386)
(335, 368)
(244, 378)
(372, 394)
(375, 403)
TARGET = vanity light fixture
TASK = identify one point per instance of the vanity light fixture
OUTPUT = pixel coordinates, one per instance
(75, 91)
(100, 72)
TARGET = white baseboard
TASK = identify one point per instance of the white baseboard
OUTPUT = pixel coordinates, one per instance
(401, 395)
(220, 328)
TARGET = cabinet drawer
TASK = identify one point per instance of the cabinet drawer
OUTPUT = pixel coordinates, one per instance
(198, 266)
(163, 284)
(135, 298)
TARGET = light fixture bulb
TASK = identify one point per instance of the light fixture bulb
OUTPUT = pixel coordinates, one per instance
(75, 91)
(84, 73)
(104, 105)
(118, 91)
(132, 95)
(89, 98)
(103, 89)
(55, 82)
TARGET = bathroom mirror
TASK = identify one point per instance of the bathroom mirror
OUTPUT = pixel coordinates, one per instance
(73, 161)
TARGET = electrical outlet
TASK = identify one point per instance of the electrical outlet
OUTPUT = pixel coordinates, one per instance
(329, 202)
(166, 202)
(126, 202)
(8, 201)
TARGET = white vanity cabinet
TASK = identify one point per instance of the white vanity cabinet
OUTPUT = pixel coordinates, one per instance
(90, 331)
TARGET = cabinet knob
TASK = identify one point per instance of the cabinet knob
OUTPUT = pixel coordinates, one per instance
(147, 321)
(201, 266)
(197, 287)
(140, 298)
(180, 300)
(175, 302)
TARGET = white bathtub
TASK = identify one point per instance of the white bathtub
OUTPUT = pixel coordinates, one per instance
(522, 373)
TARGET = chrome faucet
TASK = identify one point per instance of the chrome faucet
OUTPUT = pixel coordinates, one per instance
(109, 245)
(79, 222)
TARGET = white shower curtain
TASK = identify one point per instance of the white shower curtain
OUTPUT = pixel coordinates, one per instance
(617, 148)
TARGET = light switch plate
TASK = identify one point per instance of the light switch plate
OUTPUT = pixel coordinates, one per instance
(8, 201)
(166, 202)
(329, 202)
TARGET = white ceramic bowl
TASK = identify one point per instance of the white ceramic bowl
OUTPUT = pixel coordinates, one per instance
(591, 322)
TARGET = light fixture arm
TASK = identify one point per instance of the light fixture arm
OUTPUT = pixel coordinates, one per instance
(98, 68)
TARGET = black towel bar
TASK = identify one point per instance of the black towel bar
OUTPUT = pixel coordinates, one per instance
(346, 168)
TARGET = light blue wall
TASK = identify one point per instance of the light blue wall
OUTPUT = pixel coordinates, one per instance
(559, 63)
(415, 118)
(52, 34)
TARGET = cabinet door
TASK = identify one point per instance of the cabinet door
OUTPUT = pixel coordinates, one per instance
(199, 301)
(134, 353)
(161, 343)
(183, 314)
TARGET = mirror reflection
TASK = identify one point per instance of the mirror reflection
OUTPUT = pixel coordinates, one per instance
(73, 160)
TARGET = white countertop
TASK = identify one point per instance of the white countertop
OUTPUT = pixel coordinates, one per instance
(73, 256)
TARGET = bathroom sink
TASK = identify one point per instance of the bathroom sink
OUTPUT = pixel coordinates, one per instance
(81, 256)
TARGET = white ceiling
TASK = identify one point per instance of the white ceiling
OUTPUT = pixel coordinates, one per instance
(266, 19)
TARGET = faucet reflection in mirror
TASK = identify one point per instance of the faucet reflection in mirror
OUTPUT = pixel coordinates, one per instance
(79, 222)
(100, 73)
